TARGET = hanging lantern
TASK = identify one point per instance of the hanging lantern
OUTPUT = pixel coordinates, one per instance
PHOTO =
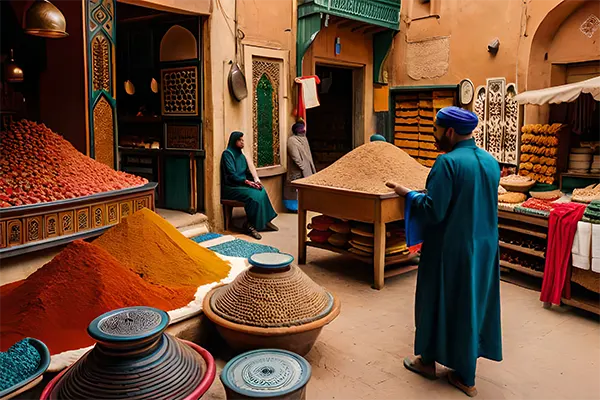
(45, 20)
(14, 73)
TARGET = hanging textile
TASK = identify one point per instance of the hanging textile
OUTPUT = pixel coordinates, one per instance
(307, 94)
(562, 226)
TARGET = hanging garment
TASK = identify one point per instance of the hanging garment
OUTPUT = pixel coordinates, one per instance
(561, 232)
(307, 94)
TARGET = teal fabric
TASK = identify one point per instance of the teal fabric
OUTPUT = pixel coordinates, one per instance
(457, 306)
(234, 172)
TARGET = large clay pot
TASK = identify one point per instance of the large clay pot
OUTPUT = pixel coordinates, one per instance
(135, 359)
(250, 313)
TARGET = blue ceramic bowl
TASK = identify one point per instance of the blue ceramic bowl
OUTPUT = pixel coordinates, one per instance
(44, 364)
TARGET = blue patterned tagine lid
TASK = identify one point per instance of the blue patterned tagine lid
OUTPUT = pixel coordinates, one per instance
(130, 324)
(271, 260)
(266, 373)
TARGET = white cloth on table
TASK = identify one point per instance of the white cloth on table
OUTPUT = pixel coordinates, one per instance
(581, 249)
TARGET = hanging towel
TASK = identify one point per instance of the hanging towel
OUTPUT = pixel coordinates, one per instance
(595, 240)
(581, 249)
(307, 94)
(413, 227)
(562, 226)
(596, 265)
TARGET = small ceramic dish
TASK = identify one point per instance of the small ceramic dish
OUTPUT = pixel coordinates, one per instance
(34, 379)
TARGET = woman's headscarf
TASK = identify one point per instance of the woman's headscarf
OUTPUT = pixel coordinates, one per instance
(233, 138)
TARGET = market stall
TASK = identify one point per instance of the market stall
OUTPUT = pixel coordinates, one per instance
(353, 191)
(543, 208)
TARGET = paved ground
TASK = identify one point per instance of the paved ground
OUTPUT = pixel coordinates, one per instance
(548, 354)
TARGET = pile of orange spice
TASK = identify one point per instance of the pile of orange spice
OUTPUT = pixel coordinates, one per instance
(142, 261)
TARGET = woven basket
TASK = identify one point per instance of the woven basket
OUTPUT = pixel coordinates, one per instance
(523, 188)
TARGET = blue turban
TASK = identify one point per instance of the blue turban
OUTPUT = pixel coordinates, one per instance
(299, 127)
(463, 121)
(377, 138)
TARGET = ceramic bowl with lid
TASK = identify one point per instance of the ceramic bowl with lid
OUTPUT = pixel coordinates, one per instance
(135, 359)
(274, 304)
(266, 374)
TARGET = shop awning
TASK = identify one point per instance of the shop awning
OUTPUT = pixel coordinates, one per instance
(561, 94)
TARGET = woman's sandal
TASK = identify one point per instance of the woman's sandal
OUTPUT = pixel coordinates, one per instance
(454, 380)
(418, 367)
(253, 232)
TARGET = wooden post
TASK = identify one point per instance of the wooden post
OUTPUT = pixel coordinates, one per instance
(301, 229)
(379, 250)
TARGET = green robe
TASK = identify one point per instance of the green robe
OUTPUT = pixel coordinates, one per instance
(234, 171)
(457, 308)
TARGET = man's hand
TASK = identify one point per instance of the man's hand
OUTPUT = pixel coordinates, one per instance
(399, 189)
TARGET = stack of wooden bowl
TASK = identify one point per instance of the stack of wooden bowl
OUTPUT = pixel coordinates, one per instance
(580, 160)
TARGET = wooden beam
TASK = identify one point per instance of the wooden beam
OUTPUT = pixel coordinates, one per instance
(347, 24)
(374, 29)
(359, 27)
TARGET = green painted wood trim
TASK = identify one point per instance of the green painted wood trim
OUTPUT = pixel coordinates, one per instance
(308, 28)
(100, 18)
(384, 13)
(382, 43)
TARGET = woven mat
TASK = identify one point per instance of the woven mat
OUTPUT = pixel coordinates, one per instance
(206, 237)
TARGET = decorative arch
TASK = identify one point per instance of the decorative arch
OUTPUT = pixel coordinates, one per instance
(178, 44)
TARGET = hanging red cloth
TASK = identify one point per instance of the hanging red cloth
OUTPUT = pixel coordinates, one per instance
(562, 226)
(301, 111)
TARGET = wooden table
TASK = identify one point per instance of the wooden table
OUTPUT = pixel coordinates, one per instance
(354, 206)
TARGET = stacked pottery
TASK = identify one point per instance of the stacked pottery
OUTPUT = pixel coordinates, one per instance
(267, 374)
(271, 305)
(580, 160)
(135, 359)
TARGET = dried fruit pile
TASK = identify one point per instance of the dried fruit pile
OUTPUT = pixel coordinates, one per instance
(38, 165)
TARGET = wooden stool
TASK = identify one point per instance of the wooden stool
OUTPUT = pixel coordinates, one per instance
(228, 206)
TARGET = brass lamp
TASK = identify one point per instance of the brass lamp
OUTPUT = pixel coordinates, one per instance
(45, 20)
(14, 73)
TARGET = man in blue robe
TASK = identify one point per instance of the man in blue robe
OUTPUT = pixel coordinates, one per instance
(457, 307)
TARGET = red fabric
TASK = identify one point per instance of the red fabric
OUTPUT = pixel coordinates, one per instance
(562, 226)
(301, 113)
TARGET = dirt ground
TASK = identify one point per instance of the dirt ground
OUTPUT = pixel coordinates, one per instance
(548, 354)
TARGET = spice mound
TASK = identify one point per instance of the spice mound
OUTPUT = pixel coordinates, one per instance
(368, 167)
(18, 363)
(155, 250)
(56, 303)
(38, 165)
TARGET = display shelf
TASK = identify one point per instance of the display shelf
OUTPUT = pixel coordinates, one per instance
(524, 231)
(391, 260)
(522, 269)
(524, 250)
(584, 303)
(33, 227)
(523, 218)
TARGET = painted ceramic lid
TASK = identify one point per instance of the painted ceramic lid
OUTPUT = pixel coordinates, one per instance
(271, 260)
(133, 359)
(130, 324)
(266, 373)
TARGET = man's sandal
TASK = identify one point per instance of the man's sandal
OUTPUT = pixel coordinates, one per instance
(418, 367)
(454, 380)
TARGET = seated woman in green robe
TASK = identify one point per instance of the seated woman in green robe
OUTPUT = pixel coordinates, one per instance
(237, 183)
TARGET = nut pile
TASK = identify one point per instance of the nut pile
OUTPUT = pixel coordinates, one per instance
(38, 165)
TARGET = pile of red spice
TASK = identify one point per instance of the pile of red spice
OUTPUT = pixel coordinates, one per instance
(57, 302)
(38, 165)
